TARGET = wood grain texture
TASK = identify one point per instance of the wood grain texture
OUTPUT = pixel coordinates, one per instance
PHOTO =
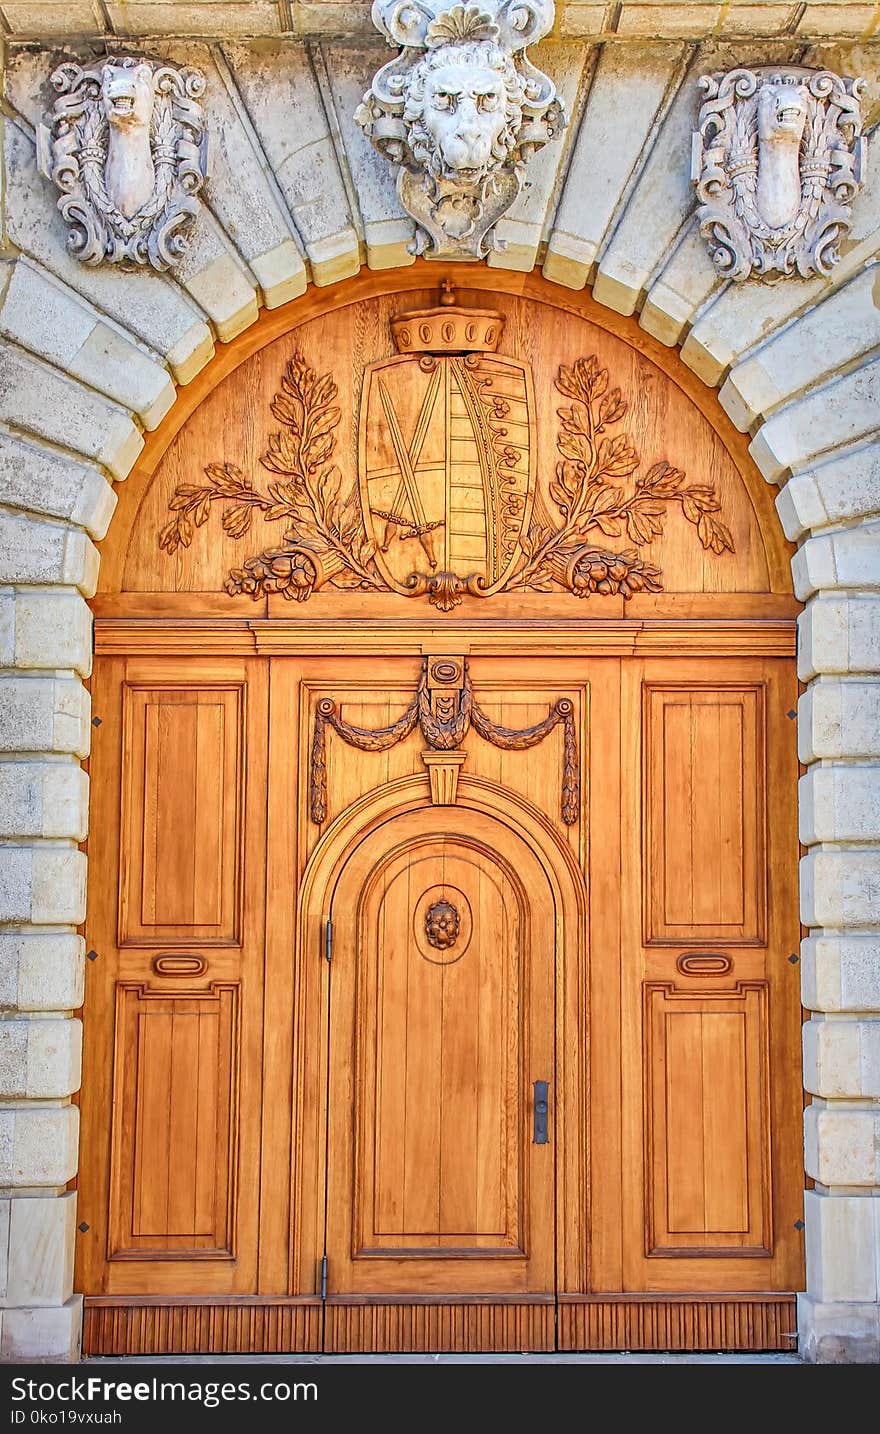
(457, 1326)
(630, 949)
(682, 1322)
(157, 1327)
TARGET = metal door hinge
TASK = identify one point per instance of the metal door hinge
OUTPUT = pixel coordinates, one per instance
(324, 1264)
(328, 940)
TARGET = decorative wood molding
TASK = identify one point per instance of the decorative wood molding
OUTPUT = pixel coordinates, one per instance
(685, 1322)
(444, 709)
(479, 521)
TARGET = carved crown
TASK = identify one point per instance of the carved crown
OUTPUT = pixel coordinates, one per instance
(448, 330)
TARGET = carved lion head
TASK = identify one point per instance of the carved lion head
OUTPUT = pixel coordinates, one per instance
(463, 110)
(127, 94)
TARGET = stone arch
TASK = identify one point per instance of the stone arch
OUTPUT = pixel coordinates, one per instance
(91, 360)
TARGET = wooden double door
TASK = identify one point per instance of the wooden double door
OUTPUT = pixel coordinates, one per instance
(397, 1045)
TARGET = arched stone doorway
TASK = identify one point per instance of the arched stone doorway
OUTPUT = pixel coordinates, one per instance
(204, 1202)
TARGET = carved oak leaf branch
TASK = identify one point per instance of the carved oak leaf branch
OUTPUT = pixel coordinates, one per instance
(586, 492)
(325, 539)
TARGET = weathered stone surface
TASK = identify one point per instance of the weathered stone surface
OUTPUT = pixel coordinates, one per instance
(841, 1333)
(608, 156)
(41, 971)
(823, 341)
(42, 1233)
(839, 488)
(42, 1335)
(42, 885)
(839, 719)
(39, 1059)
(42, 315)
(839, 803)
(746, 315)
(841, 1246)
(43, 480)
(218, 282)
(44, 799)
(827, 418)
(683, 285)
(839, 634)
(38, 1144)
(278, 88)
(35, 551)
(43, 401)
(45, 629)
(844, 559)
(841, 1144)
(840, 888)
(151, 307)
(842, 1060)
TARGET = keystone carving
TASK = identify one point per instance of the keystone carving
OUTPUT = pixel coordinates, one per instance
(459, 110)
(777, 160)
(125, 143)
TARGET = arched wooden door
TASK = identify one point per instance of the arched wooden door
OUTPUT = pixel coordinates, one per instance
(471, 627)
(441, 1147)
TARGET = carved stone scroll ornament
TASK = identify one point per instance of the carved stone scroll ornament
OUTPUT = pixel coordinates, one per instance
(125, 143)
(459, 111)
(444, 708)
(777, 162)
(397, 525)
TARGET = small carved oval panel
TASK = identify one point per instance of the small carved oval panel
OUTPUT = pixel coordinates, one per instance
(442, 925)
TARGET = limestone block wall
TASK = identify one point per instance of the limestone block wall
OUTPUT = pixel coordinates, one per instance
(93, 357)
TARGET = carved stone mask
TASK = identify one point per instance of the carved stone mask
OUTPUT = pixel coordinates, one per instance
(465, 114)
(459, 111)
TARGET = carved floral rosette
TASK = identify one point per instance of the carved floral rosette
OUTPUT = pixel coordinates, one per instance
(457, 205)
(74, 148)
(777, 161)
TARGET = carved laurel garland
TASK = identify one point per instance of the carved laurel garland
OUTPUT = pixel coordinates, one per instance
(444, 733)
(326, 542)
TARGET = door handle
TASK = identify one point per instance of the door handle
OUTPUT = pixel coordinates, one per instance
(541, 1109)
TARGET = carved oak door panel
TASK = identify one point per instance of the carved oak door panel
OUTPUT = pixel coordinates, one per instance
(440, 1165)
(170, 1106)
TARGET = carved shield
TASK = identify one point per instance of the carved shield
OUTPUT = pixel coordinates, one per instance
(447, 465)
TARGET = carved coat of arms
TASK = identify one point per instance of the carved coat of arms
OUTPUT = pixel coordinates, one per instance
(447, 501)
(447, 462)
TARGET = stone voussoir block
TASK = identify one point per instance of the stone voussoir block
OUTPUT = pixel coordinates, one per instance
(42, 629)
(44, 714)
(48, 319)
(839, 804)
(844, 559)
(839, 633)
(842, 1059)
(841, 972)
(40, 1059)
(42, 884)
(43, 480)
(844, 488)
(38, 1145)
(44, 401)
(33, 550)
(840, 888)
(44, 799)
(839, 718)
(842, 1145)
